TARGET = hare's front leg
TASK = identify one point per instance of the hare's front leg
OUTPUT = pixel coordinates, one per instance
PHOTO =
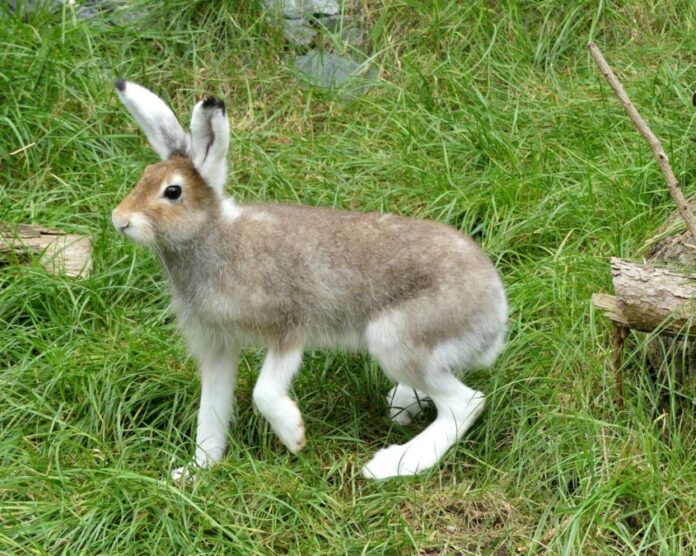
(218, 369)
(271, 395)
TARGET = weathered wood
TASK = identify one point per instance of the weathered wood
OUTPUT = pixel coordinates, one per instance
(612, 310)
(672, 245)
(610, 306)
(58, 252)
(651, 297)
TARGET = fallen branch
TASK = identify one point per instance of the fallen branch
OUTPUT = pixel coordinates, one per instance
(58, 252)
(655, 145)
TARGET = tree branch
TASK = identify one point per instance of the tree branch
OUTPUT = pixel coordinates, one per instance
(654, 143)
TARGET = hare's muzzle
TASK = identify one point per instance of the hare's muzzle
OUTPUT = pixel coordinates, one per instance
(120, 221)
(134, 225)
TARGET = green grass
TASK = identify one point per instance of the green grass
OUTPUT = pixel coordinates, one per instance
(488, 116)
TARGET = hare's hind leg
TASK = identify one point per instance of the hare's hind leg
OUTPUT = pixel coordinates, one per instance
(271, 395)
(405, 403)
(457, 408)
(429, 370)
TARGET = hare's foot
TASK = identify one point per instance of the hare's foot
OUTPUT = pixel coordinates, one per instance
(458, 407)
(288, 425)
(182, 475)
(405, 403)
(397, 460)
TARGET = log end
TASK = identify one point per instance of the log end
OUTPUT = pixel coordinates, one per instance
(70, 255)
(56, 251)
(609, 305)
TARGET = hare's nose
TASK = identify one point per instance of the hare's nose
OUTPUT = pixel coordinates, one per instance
(119, 221)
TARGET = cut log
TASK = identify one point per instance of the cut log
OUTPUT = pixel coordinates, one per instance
(650, 297)
(58, 252)
(672, 245)
(653, 299)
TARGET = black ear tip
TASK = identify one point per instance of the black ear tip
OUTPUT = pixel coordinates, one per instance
(120, 84)
(213, 102)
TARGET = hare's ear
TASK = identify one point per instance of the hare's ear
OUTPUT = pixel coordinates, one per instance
(210, 139)
(155, 118)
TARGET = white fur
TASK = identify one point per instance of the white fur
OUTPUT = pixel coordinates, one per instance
(218, 370)
(457, 408)
(182, 474)
(174, 179)
(218, 376)
(230, 210)
(210, 139)
(137, 228)
(273, 401)
(405, 403)
(156, 119)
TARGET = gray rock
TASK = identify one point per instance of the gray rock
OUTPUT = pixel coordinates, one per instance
(299, 18)
(298, 32)
(296, 9)
(119, 12)
(329, 71)
(353, 36)
(306, 20)
(344, 28)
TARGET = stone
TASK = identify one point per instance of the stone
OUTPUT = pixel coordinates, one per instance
(297, 9)
(331, 71)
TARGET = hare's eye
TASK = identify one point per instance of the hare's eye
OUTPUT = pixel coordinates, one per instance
(172, 192)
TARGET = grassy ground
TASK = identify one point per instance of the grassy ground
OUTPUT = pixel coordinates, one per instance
(490, 117)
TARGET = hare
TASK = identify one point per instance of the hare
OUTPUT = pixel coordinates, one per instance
(420, 297)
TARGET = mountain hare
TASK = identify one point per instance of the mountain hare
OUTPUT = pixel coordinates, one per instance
(419, 296)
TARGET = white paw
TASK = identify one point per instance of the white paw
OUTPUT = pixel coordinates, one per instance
(471, 412)
(401, 416)
(397, 460)
(404, 404)
(291, 431)
(182, 475)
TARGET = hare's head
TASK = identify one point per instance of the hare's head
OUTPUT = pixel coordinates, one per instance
(176, 198)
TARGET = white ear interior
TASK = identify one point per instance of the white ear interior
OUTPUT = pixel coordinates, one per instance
(155, 118)
(210, 139)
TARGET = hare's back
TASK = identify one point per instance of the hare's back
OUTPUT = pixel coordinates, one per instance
(328, 274)
(349, 249)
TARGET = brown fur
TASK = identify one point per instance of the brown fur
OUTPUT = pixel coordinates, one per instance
(164, 217)
(304, 271)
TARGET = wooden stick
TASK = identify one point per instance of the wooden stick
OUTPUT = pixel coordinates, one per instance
(620, 335)
(654, 143)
